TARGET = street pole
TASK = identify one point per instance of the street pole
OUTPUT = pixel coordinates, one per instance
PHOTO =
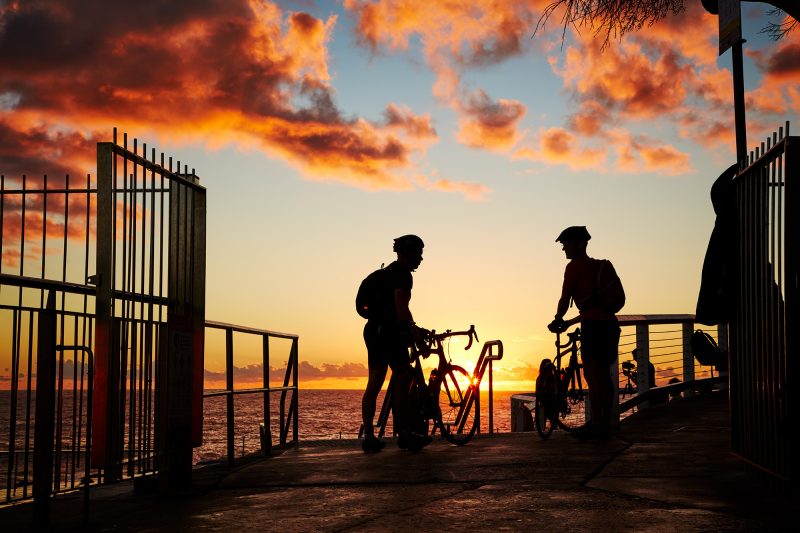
(738, 101)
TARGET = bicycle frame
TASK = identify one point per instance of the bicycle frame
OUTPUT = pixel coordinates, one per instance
(571, 348)
(433, 343)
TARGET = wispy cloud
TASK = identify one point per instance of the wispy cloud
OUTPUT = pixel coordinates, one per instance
(213, 71)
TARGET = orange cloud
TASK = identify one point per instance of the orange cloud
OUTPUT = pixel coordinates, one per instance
(473, 191)
(640, 153)
(418, 127)
(559, 146)
(590, 120)
(780, 65)
(456, 36)
(216, 71)
(490, 124)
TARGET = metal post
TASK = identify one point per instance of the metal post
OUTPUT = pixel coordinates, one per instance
(267, 446)
(229, 395)
(45, 413)
(491, 400)
(642, 359)
(105, 414)
(738, 101)
(688, 358)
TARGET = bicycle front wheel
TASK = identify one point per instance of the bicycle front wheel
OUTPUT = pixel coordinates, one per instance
(543, 419)
(457, 405)
(573, 411)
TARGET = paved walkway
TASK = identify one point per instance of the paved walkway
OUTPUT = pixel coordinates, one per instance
(668, 470)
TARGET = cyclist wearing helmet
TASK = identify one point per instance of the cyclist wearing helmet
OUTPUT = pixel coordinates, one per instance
(599, 328)
(388, 337)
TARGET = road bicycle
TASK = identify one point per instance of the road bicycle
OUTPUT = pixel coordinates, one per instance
(449, 400)
(561, 399)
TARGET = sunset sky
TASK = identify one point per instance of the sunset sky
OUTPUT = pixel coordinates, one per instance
(322, 130)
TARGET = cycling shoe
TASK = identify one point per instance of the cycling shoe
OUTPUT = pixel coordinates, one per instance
(372, 445)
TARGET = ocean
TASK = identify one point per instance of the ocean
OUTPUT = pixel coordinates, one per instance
(323, 415)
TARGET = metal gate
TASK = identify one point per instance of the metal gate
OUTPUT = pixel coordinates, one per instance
(762, 339)
(120, 262)
(150, 313)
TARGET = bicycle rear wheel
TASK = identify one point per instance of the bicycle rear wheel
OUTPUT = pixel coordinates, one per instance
(543, 419)
(457, 406)
(574, 413)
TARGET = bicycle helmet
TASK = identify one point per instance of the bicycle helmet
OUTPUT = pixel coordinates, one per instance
(408, 243)
(574, 233)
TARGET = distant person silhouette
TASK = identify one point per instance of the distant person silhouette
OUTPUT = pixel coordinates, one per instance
(388, 334)
(595, 288)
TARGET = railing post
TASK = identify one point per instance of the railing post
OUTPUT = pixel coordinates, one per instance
(614, 370)
(229, 395)
(491, 400)
(296, 393)
(478, 407)
(45, 413)
(688, 358)
(266, 445)
(722, 342)
(642, 361)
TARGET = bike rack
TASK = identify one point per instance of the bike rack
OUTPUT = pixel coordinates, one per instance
(486, 358)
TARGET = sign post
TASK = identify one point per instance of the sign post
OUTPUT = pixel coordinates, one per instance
(730, 36)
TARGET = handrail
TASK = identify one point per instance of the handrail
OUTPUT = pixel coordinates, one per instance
(688, 383)
(684, 363)
(286, 418)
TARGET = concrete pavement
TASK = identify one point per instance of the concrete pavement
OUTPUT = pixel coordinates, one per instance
(669, 469)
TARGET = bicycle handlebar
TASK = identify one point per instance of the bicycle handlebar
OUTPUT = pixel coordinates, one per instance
(439, 337)
(573, 336)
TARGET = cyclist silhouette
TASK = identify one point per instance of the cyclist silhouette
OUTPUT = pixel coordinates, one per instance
(388, 334)
(599, 328)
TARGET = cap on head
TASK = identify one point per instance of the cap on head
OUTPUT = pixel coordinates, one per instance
(573, 234)
(408, 243)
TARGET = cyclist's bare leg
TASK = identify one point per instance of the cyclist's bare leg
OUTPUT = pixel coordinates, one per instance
(402, 386)
(377, 375)
(601, 393)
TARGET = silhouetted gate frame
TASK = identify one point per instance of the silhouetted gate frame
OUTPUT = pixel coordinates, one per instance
(130, 306)
(764, 335)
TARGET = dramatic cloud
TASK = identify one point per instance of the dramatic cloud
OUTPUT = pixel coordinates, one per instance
(240, 71)
(490, 124)
(780, 65)
(458, 36)
(557, 146)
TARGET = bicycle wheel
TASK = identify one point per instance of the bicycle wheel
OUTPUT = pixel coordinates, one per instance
(542, 418)
(457, 406)
(574, 411)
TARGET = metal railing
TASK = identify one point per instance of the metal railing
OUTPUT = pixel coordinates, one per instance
(763, 339)
(658, 347)
(287, 414)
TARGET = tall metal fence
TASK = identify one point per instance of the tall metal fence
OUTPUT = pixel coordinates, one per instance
(111, 254)
(150, 309)
(46, 229)
(763, 339)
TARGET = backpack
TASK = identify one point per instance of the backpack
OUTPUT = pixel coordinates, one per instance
(706, 351)
(610, 293)
(368, 297)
